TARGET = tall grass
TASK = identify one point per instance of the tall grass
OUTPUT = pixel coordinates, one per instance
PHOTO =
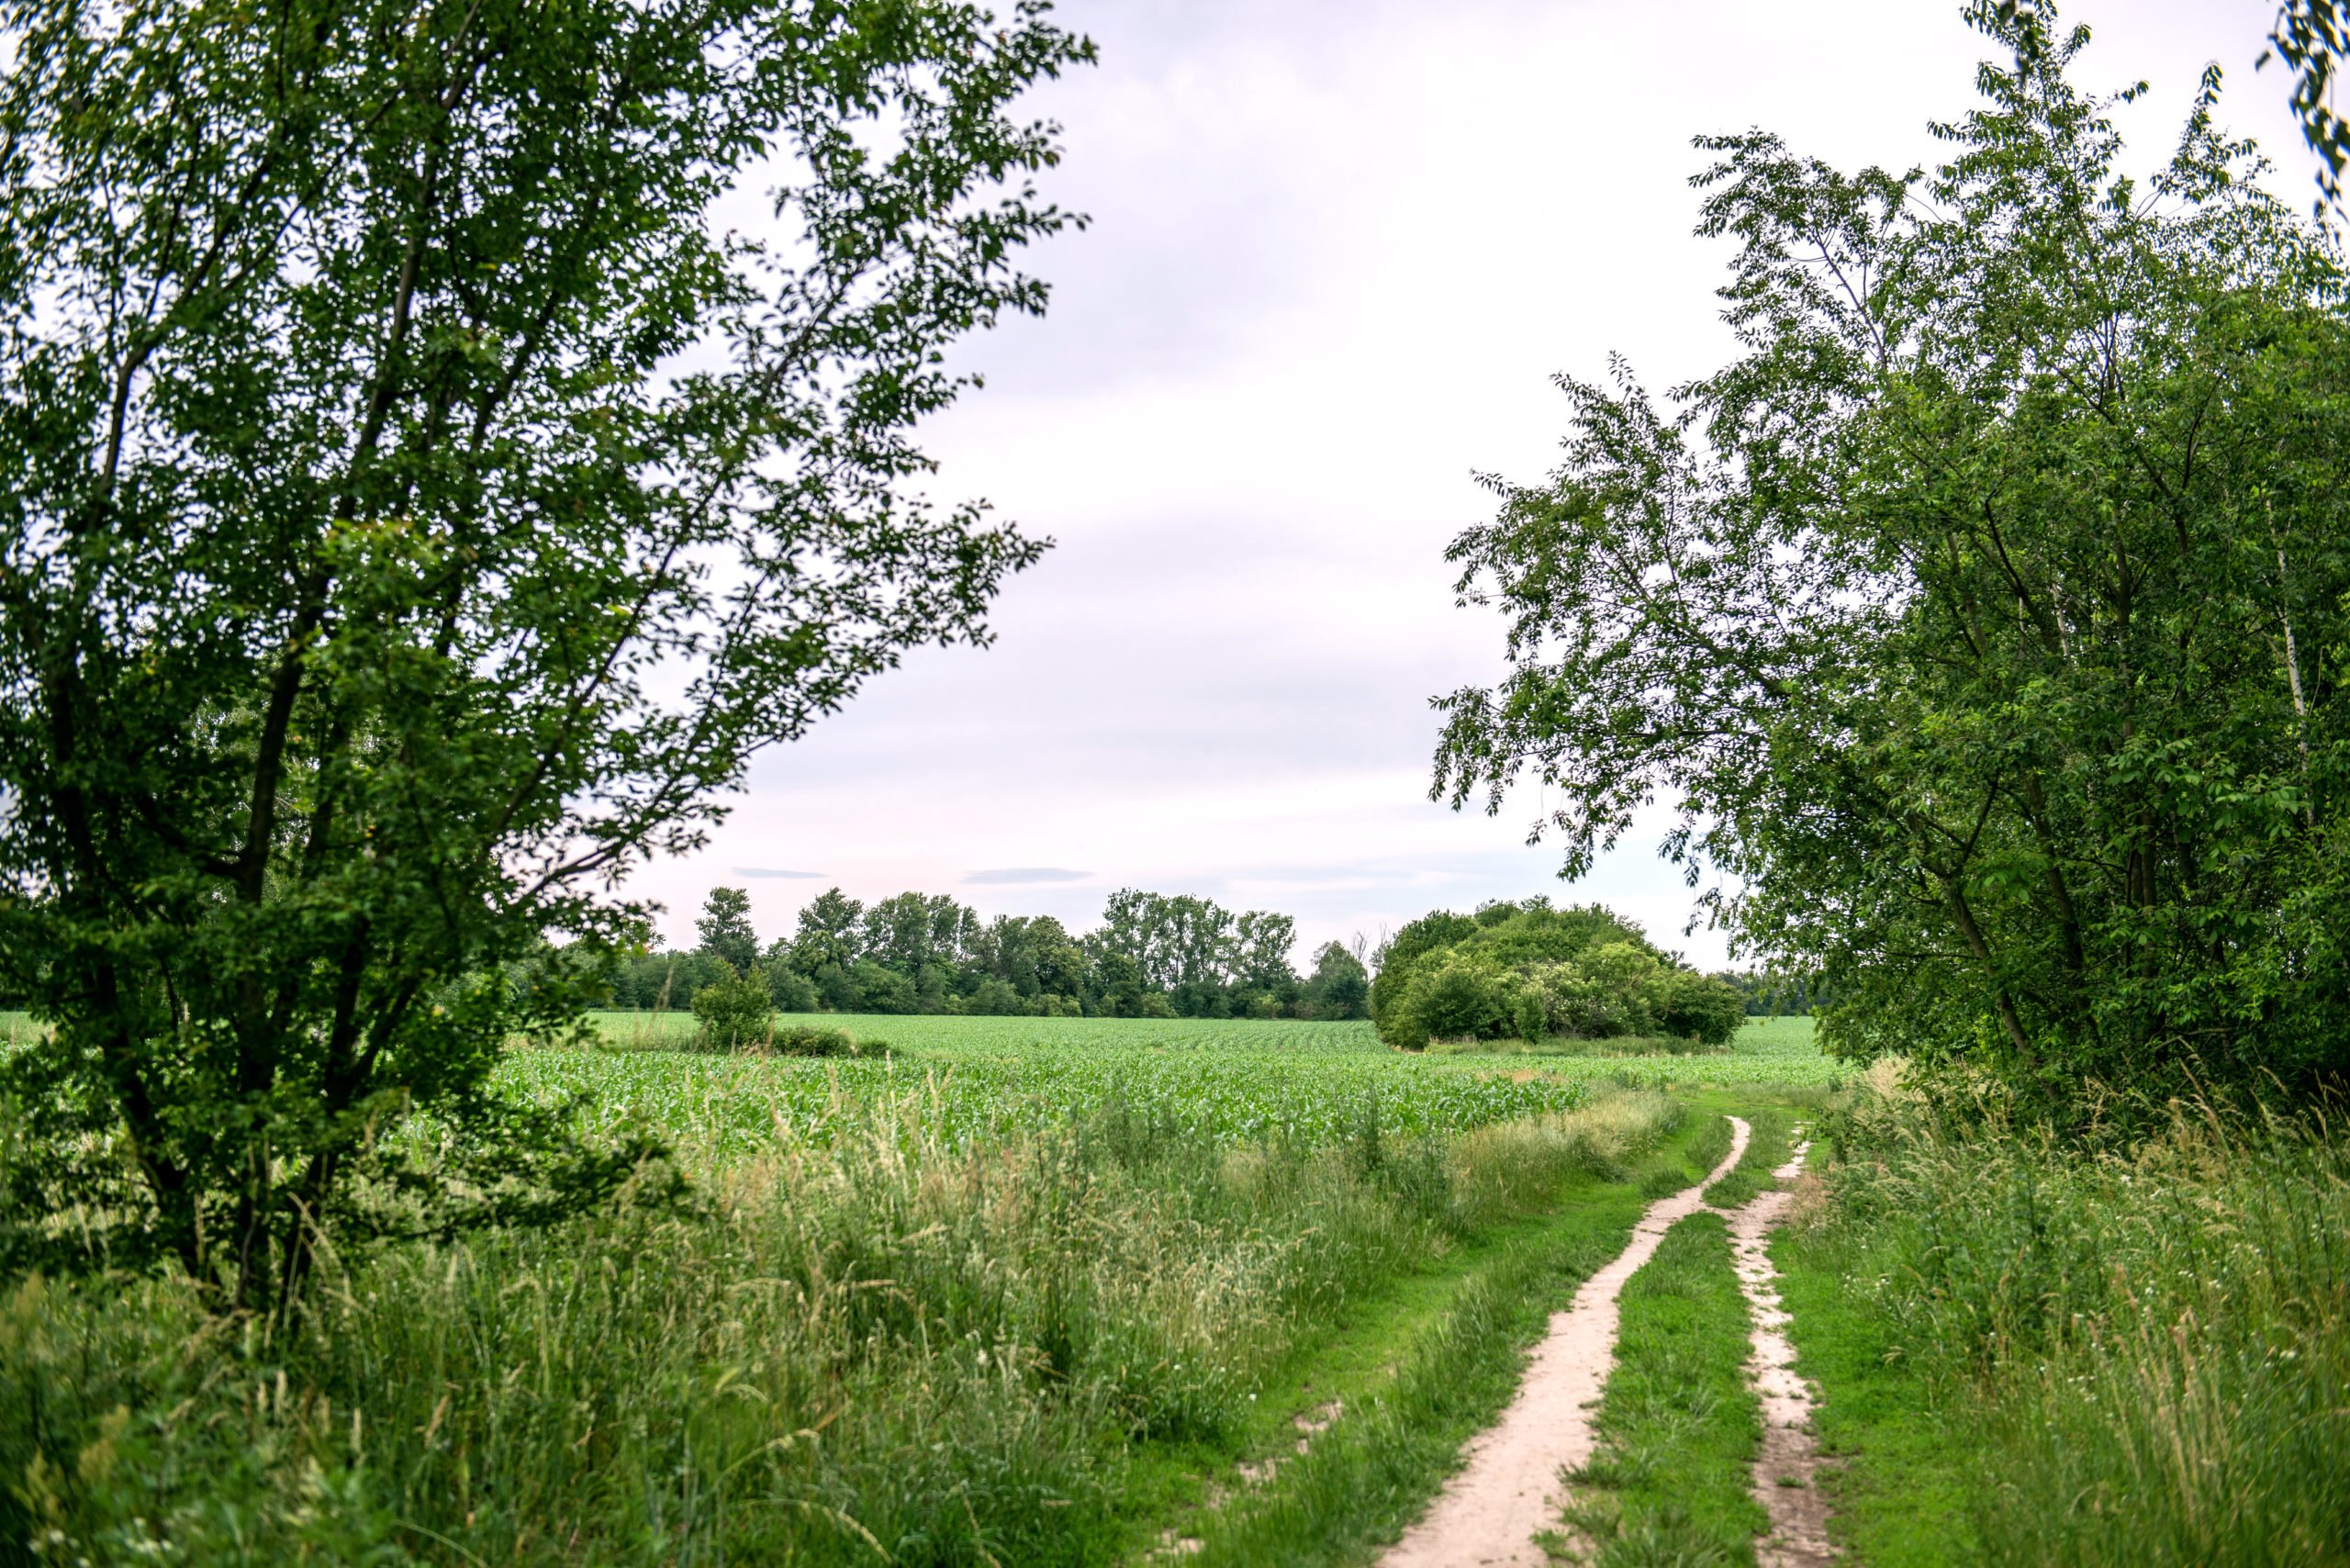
(1570, 1046)
(2150, 1343)
(881, 1345)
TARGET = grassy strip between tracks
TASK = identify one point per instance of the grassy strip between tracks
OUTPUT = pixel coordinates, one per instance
(1899, 1492)
(1677, 1427)
(1769, 1145)
(1419, 1371)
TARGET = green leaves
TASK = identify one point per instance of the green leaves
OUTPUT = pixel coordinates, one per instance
(417, 514)
(1535, 973)
(1969, 615)
(2312, 38)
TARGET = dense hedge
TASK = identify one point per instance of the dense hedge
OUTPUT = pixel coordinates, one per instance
(1527, 971)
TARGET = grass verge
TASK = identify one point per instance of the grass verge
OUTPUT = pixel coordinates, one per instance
(1430, 1375)
(1900, 1493)
(1572, 1045)
(2140, 1348)
(884, 1342)
(1677, 1427)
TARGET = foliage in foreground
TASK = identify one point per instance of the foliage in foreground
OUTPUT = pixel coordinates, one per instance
(887, 1341)
(1531, 972)
(380, 409)
(1989, 616)
(2140, 1353)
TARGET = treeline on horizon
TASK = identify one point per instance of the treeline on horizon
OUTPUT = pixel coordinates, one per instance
(1154, 956)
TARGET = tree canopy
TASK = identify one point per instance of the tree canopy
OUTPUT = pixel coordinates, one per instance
(1154, 955)
(1528, 971)
(415, 511)
(1986, 616)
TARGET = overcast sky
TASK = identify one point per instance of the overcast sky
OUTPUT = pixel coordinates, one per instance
(1338, 248)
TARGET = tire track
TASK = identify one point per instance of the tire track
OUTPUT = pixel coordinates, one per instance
(1786, 1470)
(1509, 1490)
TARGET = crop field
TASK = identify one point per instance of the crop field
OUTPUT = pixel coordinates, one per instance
(1069, 1290)
(1228, 1082)
(1032, 1290)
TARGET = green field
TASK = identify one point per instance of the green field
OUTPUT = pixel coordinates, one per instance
(1061, 1290)
(1230, 1082)
(1027, 1291)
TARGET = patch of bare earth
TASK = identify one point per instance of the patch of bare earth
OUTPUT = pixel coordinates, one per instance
(1787, 1472)
(1309, 1425)
(1508, 1490)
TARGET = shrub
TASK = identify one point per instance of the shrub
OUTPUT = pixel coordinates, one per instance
(1535, 973)
(1703, 1007)
(1566, 998)
(733, 1010)
(1453, 997)
(1426, 935)
(814, 1040)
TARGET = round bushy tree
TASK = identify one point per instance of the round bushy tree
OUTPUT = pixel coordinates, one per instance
(415, 511)
(735, 1011)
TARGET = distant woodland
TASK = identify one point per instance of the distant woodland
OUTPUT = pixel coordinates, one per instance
(1152, 955)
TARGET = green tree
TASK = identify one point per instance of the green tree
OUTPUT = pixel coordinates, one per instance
(828, 935)
(1530, 971)
(2311, 38)
(1987, 615)
(1118, 985)
(880, 989)
(1452, 996)
(735, 1009)
(1440, 928)
(1033, 954)
(791, 991)
(1261, 942)
(914, 931)
(725, 929)
(1192, 942)
(1340, 986)
(414, 512)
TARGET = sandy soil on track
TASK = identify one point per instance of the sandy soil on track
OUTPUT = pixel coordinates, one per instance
(1510, 1488)
(1787, 1472)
